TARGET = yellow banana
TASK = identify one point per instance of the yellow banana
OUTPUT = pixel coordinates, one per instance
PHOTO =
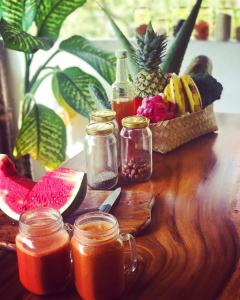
(192, 92)
(167, 94)
(178, 94)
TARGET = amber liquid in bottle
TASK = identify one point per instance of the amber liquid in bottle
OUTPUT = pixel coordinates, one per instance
(122, 90)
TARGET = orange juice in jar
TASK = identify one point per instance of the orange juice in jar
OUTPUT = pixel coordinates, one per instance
(43, 251)
(98, 256)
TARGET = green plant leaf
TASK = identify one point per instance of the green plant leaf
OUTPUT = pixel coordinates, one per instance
(20, 13)
(28, 103)
(73, 85)
(43, 136)
(102, 61)
(175, 54)
(51, 15)
(60, 100)
(100, 97)
(29, 13)
(12, 11)
(17, 39)
(124, 43)
(0, 10)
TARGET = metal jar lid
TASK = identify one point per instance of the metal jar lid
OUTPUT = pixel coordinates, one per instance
(104, 115)
(135, 122)
(99, 129)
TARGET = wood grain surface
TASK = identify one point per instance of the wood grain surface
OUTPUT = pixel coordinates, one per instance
(190, 251)
(133, 212)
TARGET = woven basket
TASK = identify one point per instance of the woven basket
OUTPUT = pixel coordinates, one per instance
(170, 134)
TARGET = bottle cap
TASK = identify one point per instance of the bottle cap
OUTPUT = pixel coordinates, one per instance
(99, 129)
(135, 122)
(104, 115)
(121, 53)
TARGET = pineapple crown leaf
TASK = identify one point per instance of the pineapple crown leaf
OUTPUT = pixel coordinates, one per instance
(149, 34)
(151, 49)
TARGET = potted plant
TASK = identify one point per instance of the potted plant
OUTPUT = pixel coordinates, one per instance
(42, 132)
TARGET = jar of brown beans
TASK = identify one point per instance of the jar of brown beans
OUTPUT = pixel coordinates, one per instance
(136, 149)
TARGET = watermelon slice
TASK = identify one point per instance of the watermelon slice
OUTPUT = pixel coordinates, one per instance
(63, 189)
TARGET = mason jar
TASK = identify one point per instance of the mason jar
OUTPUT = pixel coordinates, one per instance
(108, 116)
(43, 251)
(101, 156)
(136, 149)
(99, 259)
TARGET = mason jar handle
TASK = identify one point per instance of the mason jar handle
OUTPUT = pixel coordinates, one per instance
(69, 228)
(130, 268)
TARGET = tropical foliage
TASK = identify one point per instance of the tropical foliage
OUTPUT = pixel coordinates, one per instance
(72, 87)
(42, 133)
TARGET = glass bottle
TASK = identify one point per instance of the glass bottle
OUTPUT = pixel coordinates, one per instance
(43, 251)
(122, 89)
(108, 116)
(101, 156)
(136, 149)
(98, 256)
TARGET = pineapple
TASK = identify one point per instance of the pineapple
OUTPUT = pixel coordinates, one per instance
(150, 81)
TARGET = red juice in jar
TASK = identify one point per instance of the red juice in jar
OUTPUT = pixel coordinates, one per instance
(123, 107)
(99, 256)
(43, 251)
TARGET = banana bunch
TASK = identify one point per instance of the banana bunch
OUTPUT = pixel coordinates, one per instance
(184, 93)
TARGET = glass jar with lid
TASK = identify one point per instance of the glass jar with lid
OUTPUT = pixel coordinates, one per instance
(103, 116)
(107, 115)
(43, 251)
(136, 149)
(99, 257)
(101, 156)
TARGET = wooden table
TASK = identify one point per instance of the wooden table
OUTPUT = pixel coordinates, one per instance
(191, 249)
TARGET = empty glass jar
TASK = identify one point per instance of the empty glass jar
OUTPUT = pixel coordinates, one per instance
(103, 116)
(101, 156)
(136, 149)
(108, 115)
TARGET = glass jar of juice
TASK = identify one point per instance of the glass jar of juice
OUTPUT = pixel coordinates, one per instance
(101, 156)
(122, 89)
(136, 149)
(98, 256)
(43, 251)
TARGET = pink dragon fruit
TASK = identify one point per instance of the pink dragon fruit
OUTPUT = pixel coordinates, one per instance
(157, 109)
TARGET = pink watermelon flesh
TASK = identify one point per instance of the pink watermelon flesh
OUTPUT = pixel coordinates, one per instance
(55, 189)
(13, 187)
(63, 189)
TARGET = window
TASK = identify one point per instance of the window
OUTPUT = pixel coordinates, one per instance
(90, 21)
